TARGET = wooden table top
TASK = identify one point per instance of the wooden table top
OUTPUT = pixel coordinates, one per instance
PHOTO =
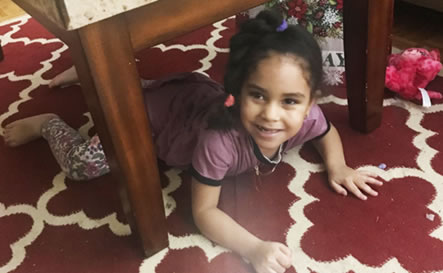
(74, 14)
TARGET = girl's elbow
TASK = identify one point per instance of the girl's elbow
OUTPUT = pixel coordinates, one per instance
(198, 217)
(201, 219)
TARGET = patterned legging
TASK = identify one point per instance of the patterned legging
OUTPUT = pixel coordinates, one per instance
(80, 159)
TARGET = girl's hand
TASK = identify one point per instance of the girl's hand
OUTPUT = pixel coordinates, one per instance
(354, 181)
(270, 257)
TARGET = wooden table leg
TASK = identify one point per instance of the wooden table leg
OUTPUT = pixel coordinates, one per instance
(1, 52)
(103, 56)
(367, 30)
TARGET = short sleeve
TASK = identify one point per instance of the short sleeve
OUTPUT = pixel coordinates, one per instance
(212, 157)
(321, 125)
(314, 126)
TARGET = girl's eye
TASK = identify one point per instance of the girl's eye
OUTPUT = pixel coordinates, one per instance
(256, 95)
(290, 101)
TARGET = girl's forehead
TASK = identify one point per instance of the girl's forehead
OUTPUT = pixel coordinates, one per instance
(278, 66)
(279, 63)
(280, 77)
(284, 57)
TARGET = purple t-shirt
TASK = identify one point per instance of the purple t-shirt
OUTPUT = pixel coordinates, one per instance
(178, 107)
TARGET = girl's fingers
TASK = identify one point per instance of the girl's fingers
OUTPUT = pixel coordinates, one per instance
(277, 267)
(368, 190)
(373, 181)
(285, 250)
(339, 189)
(368, 173)
(370, 177)
(285, 258)
(267, 270)
(284, 261)
(356, 191)
(363, 185)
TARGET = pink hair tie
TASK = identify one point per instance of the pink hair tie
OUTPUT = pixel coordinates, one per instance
(230, 100)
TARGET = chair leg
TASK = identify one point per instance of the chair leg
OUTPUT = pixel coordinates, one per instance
(367, 30)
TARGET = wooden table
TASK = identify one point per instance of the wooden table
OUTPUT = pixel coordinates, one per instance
(103, 35)
(367, 42)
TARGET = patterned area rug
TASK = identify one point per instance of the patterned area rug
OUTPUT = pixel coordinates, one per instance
(51, 224)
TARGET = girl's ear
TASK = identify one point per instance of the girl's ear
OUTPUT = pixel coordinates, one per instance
(317, 94)
(313, 101)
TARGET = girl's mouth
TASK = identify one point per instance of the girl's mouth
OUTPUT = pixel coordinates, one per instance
(267, 131)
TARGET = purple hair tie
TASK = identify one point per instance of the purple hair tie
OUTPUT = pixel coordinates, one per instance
(283, 26)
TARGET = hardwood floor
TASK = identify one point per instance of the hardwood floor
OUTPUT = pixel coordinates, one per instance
(413, 26)
(417, 27)
(9, 10)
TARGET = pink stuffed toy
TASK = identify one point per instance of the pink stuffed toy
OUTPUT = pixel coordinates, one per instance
(412, 69)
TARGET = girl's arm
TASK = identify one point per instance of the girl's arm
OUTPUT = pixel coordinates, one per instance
(222, 229)
(342, 177)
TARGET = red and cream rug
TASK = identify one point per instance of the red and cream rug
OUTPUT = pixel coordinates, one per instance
(51, 224)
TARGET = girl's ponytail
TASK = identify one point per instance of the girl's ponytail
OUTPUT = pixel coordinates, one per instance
(224, 113)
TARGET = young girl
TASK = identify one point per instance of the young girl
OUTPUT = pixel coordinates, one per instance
(267, 106)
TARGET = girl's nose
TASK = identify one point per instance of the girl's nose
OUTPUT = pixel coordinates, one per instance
(271, 112)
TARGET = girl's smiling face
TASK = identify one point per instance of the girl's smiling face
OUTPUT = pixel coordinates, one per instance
(274, 101)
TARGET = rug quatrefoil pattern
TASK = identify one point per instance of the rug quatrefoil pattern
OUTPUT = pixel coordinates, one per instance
(49, 223)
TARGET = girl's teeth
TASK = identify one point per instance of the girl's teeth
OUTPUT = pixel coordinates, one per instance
(266, 130)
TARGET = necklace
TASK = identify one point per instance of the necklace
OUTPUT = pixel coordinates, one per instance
(259, 154)
(258, 172)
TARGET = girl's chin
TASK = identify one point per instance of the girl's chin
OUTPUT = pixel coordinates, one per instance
(268, 149)
(267, 141)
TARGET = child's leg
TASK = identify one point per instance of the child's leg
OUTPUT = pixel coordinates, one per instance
(67, 77)
(80, 159)
(25, 130)
(146, 83)
(70, 76)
